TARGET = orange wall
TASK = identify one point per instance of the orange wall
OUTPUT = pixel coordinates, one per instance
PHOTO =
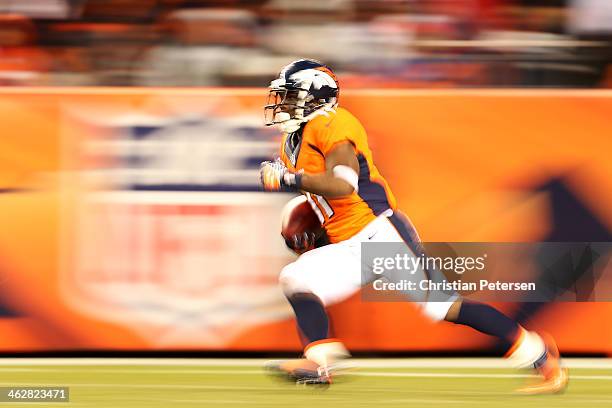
(463, 164)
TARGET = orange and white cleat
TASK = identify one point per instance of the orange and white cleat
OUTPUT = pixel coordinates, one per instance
(554, 377)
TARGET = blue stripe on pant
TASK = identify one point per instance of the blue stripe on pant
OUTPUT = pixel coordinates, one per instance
(411, 238)
(409, 234)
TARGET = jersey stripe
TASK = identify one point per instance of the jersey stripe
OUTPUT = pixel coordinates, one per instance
(315, 208)
(373, 193)
(323, 202)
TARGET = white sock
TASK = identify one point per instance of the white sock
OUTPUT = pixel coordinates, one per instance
(527, 349)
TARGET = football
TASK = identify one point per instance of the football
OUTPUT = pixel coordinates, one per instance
(298, 217)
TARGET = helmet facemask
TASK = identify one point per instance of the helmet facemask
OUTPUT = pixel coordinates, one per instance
(284, 104)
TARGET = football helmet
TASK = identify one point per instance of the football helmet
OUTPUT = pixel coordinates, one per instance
(305, 88)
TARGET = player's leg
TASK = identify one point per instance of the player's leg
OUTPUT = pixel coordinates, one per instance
(320, 277)
(310, 316)
(524, 348)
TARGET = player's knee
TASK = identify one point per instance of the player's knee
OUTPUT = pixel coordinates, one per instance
(436, 310)
(291, 281)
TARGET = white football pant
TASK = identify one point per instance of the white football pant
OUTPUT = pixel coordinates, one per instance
(334, 272)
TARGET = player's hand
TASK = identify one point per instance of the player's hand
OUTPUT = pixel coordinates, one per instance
(301, 243)
(275, 176)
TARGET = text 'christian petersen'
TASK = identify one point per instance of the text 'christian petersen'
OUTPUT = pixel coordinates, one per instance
(457, 286)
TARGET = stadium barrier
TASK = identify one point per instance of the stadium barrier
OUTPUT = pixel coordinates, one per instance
(131, 218)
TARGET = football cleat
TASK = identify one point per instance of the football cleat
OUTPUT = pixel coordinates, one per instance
(324, 359)
(553, 376)
(301, 372)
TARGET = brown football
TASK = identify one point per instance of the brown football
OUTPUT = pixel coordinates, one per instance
(298, 217)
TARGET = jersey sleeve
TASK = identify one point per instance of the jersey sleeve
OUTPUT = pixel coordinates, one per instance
(343, 128)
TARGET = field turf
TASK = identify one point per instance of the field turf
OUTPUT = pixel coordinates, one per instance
(242, 383)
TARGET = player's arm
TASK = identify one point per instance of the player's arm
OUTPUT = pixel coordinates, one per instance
(339, 179)
(341, 173)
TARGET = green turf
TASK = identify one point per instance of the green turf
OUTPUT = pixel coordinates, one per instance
(237, 386)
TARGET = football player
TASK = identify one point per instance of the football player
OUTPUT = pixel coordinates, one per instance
(324, 154)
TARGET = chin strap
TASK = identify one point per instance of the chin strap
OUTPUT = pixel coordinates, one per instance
(288, 125)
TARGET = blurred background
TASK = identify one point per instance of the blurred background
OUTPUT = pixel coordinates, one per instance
(132, 132)
(371, 43)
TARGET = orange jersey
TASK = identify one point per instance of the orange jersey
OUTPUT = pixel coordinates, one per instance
(306, 150)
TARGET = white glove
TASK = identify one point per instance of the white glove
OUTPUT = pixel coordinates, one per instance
(275, 176)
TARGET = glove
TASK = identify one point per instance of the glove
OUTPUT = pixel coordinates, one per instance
(301, 243)
(275, 176)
